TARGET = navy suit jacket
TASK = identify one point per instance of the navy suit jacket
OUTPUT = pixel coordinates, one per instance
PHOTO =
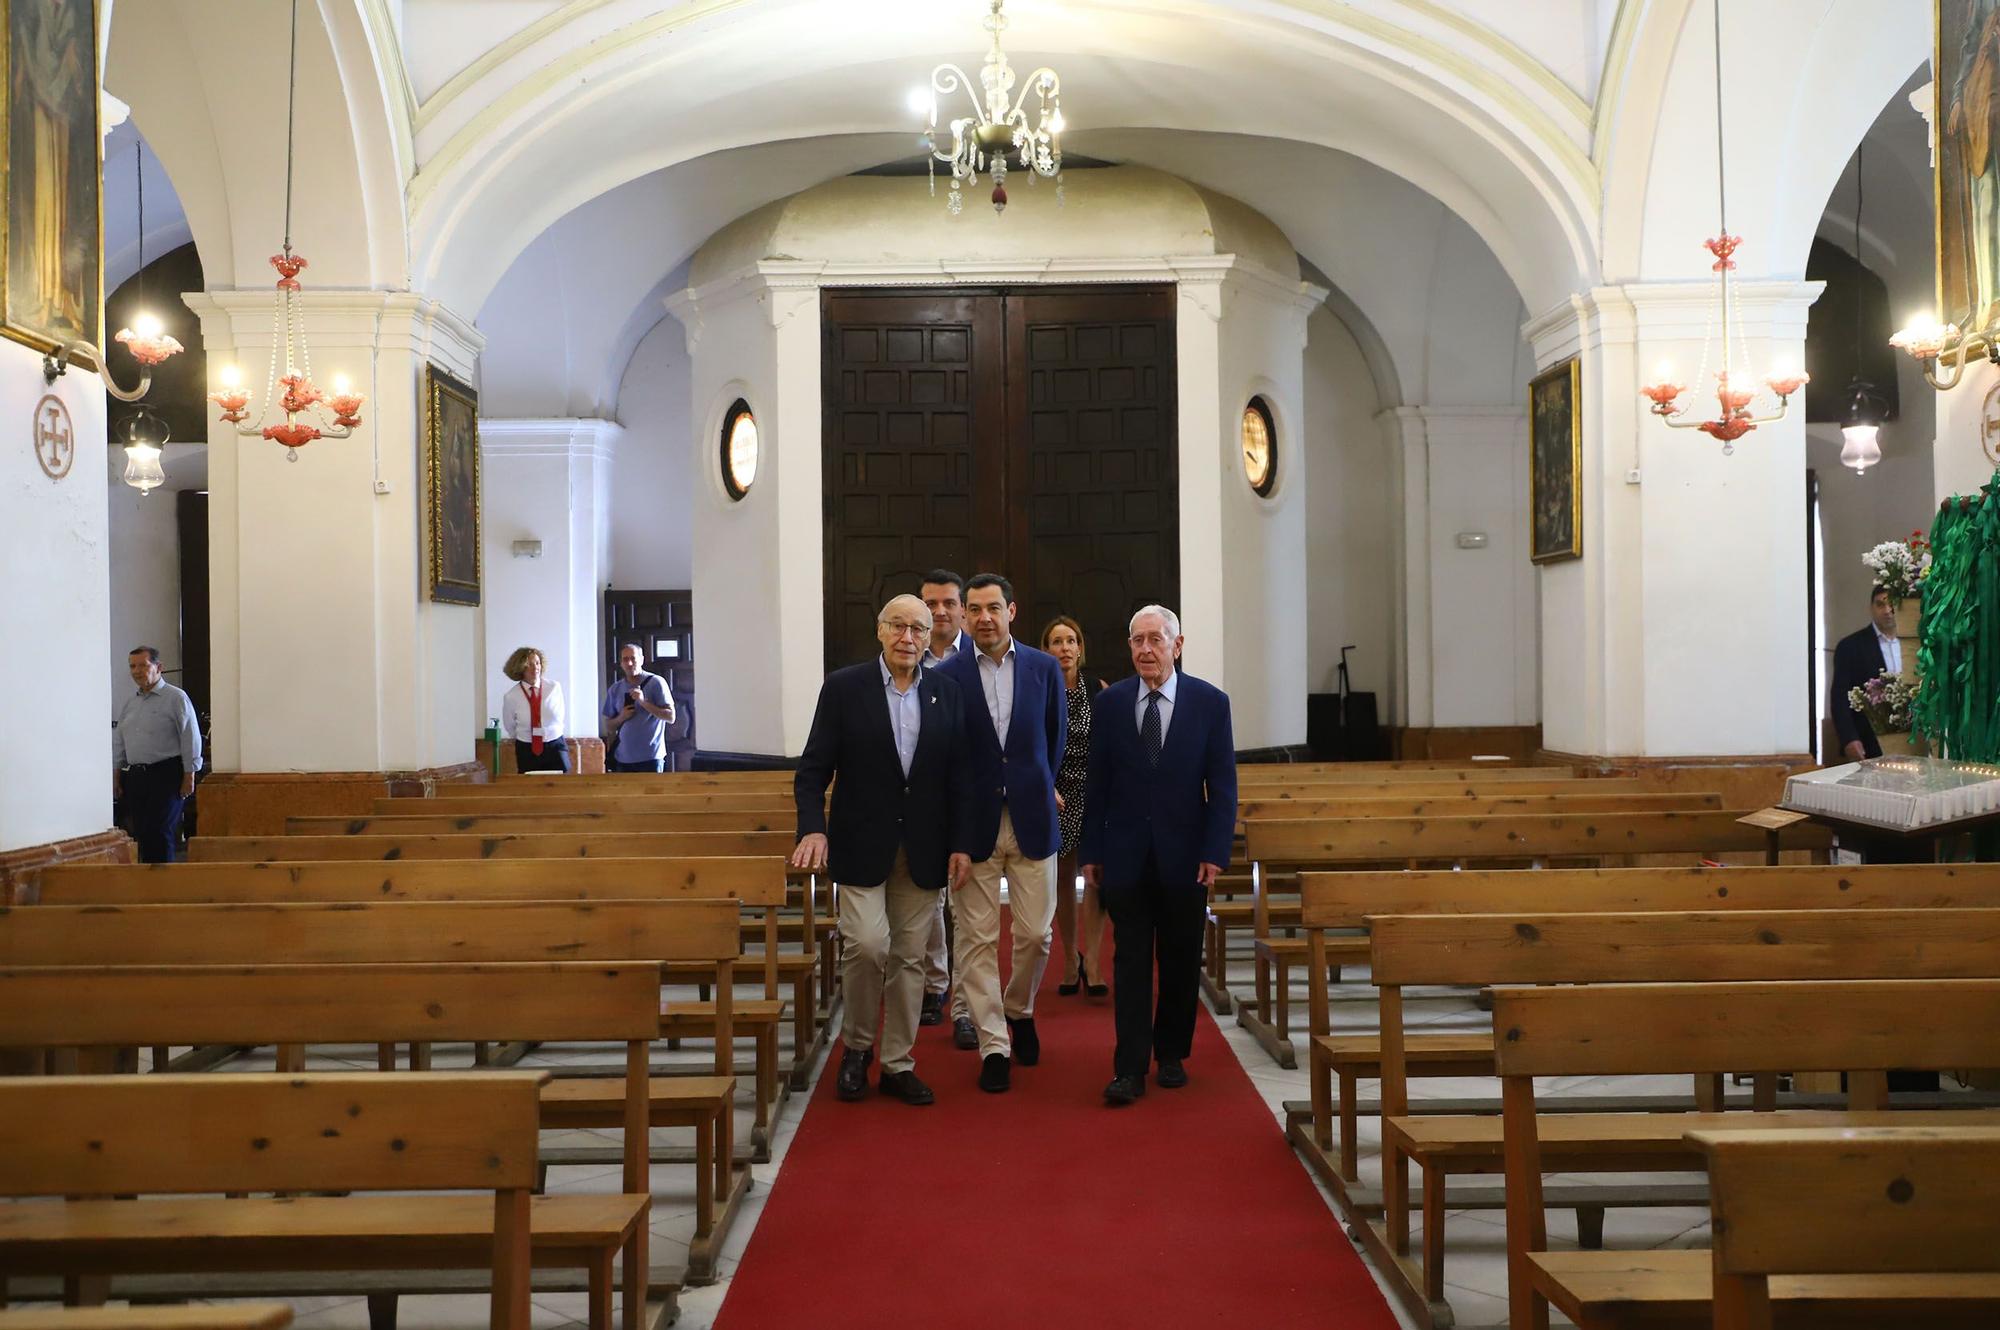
(1857, 658)
(1023, 771)
(1182, 812)
(876, 809)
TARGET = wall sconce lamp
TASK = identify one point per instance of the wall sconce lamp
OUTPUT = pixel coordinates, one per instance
(147, 339)
(527, 549)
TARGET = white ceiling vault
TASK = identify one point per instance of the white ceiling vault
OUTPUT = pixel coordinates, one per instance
(442, 142)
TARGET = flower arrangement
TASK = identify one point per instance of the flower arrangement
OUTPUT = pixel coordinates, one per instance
(1900, 565)
(1885, 700)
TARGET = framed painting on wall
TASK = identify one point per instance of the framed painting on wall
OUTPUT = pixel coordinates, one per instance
(1555, 459)
(451, 489)
(1967, 123)
(54, 219)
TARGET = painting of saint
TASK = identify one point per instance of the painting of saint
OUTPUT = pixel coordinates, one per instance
(1968, 162)
(1555, 502)
(451, 481)
(54, 237)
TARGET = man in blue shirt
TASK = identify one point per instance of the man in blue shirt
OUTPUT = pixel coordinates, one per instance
(637, 710)
(155, 749)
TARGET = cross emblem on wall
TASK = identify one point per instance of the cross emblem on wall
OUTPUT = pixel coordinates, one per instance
(55, 437)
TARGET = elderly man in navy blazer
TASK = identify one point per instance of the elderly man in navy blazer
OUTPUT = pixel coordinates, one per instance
(1016, 717)
(1159, 813)
(891, 740)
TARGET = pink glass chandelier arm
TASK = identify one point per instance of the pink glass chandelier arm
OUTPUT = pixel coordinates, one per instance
(148, 350)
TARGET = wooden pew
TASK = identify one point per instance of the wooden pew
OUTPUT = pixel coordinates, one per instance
(1615, 949)
(759, 883)
(294, 1005)
(533, 818)
(237, 1316)
(488, 799)
(416, 932)
(647, 780)
(1347, 900)
(1862, 1028)
(84, 1141)
(1277, 844)
(564, 845)
(1482, 803)
(1902, 1228)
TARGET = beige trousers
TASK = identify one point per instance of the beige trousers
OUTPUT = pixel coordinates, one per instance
(883, 930)
(1031, 897)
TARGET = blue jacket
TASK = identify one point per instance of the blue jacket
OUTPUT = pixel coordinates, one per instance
(1023, 772)
(1183, 811)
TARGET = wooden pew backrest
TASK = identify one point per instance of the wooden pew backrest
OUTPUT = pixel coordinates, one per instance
(1308, 841)
(563, 845)
(1861, 1025)
(116, 1135)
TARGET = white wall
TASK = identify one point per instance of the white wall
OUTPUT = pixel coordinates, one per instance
(652, 500)
(145, 578)
(54, 630)
(1350, 578)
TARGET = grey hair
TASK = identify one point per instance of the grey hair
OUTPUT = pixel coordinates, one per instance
(917, 607)
(1172, 620)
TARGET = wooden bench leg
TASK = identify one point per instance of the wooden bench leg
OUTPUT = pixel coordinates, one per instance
(767, 1079)
(1395, 1195)
(600, 1290)
(1434, 1234)
(1321, 1078)
(382, 1311)
(1708, 1092)
(1222, 955)
(636, 1260)
(1262, 988)
(385, 1057)
(86, 1290)
(1590, 1227)
(420, 1057)
(161, 1056)
(511, 1261)
(1284, 994)
(704, 1176)
(1350, 1126)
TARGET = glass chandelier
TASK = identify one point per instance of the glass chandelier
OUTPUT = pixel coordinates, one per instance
(982, 140)
(1735, 399)
(309, 412)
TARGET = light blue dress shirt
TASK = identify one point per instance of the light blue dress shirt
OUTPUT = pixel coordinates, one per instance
(155, 726)
(1167, 691)
(906, 715)
(996, 679)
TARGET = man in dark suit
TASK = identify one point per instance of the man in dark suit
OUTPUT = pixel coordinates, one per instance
(894, 738)
(944, 596)
(1857, 658)
(1016, 718)
(1159, 815)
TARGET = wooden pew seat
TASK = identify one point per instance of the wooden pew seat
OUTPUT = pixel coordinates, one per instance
(1669, 1290)
(1626, 1142)
(197, 1316)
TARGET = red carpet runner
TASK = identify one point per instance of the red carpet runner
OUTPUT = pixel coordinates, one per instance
(1044, 1207)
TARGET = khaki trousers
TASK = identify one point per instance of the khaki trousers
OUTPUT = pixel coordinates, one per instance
(883, 930)
(1031, 897)
(937, 975)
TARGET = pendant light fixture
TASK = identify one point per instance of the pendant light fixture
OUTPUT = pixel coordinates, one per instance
(1861, 425)
(309, 412)
(1735, 397)
(143, 434)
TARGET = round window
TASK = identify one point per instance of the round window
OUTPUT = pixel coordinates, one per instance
(739, 449)
(1260, 447)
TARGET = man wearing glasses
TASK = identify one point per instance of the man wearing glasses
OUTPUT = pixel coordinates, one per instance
(1159, 812)
(893, 735)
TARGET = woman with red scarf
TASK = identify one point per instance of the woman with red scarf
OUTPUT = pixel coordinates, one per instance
(531, 714)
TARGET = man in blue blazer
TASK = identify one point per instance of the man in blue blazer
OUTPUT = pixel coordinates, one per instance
(1159, 814)
(1016, 717)
(891, 740)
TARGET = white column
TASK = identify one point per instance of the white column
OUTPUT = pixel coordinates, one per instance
(1204, 607)
(1680, 631)
(53, 618)
(1409, 454)
(546, 529)
(328, 654)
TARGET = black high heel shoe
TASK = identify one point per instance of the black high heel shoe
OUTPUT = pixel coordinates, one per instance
(1069, 987)
(1095, 990)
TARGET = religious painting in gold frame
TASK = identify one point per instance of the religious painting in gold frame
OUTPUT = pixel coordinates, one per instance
(53, 214)
(452, 562)
(1555, 463)
(1967, 181)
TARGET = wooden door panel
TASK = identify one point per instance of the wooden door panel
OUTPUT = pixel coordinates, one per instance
(1028, 432)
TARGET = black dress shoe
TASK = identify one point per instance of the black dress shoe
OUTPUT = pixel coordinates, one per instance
(963, 1034)
(995, 1074)
(933, 1010)
(1027, 1044)
(905, 1086)
(852, 1082)
(1125, 1089)
(1171, 1076)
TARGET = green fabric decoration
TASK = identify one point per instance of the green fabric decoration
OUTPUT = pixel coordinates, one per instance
(1957, 707)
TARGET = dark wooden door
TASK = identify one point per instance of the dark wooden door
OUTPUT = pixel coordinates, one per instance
(662, 622)
(1025, 432)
